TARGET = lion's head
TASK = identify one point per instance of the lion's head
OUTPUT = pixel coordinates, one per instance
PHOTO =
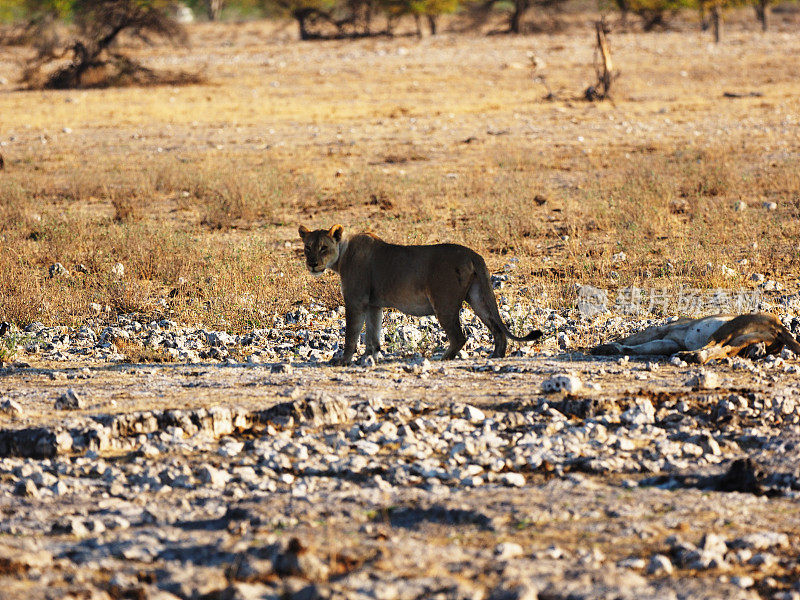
(321, 247)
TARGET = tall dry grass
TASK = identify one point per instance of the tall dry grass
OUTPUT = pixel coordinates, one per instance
(205, 241)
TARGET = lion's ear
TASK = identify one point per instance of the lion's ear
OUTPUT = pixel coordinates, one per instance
(336, 232)
(304, 231)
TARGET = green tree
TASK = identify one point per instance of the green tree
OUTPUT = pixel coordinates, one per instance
(308, 14)
(418, 9)
(653, 13)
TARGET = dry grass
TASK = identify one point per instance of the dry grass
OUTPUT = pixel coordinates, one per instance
(199, 189)
(139, 354)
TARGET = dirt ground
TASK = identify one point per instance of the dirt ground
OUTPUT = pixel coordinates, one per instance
(280, 477)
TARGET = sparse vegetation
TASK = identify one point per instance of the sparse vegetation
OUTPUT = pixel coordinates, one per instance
(204, 221)
(9, 347)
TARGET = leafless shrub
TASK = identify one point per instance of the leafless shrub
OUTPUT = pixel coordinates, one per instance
(90, 62)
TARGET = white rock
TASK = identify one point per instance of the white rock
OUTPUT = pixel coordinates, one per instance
(563, 340)
(508, 550)
(632, 563)
(761, 540)
(710, 445)
(10, 407)
(553, 552)
(216, 477)
(763, 559)
(230, 449)
(743, 581)
(149, 450)
(705, 380)
(69, 400)
(641, 413)
(410, 335)
(184, 14)
(26, 487)
(118, 270)
(659, 565)
(562, 383)
(473, 415)
(59, 488)
(770, 205)
(512, 479)
(57, 270)
(712, 542)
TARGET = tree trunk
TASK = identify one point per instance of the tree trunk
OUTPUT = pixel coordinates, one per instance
(602, 45)
(623, 7)
(701, 7)
(368, 18)
(716, 22)
(762, 12)
(70, 76)
(390, 25)
(432, 24)
(301, 16)
(515, 23)
(213, 9)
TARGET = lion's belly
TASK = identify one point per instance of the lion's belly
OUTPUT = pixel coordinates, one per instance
(698, 334)
(400, 297)
(416, 307)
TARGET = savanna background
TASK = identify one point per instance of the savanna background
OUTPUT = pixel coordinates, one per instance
(189, 153)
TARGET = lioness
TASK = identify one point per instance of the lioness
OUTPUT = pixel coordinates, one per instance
(709, 338)
(417, 280)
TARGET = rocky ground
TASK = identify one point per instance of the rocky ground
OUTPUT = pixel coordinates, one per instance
(250, 469)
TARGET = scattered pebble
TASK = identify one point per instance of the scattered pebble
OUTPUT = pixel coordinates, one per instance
(659, 565)
(57, 270)
(561, 383)
(69, 400)
(508, 550)
(704, 380)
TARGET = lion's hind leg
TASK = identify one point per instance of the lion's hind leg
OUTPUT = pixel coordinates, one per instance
(729, 348)
(484, 305)
(611, 349)
(653, 348)
(448, 311)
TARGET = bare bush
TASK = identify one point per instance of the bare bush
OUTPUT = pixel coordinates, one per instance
(90, 60)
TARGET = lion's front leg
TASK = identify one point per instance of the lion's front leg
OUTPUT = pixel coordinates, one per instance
(373, 331)
(354, 321)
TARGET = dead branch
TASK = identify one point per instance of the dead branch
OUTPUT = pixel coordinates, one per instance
(603, 67)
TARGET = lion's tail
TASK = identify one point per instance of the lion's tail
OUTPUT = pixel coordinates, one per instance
(482, 274)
